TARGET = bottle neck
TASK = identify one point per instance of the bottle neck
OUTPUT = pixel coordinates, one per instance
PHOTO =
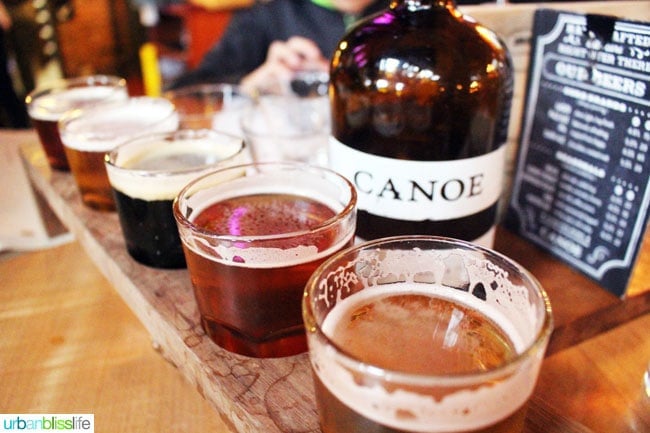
(423, 4)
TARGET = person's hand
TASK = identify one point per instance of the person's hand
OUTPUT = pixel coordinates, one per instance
(283, 59)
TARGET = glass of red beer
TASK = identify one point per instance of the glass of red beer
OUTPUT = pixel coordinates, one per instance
(252, 236)
(48, 103)
(424, 334)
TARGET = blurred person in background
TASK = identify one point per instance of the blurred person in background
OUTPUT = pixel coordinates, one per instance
(269, 41)
(13, 112)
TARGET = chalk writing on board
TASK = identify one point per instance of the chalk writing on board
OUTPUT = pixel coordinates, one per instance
(581, 188)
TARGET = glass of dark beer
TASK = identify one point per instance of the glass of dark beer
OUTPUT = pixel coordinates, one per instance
(252, 236)
(217, 106)
(89, 133)
(46, 105)
(147, 173)
(424, 334)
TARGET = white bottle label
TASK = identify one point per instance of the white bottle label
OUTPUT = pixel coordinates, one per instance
(420, 190)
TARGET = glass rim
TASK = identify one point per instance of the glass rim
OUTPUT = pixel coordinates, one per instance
(75, 114)
(248, 124)
(418, 379)
(191, 89)
(111, 156)
(343, 214)
(64, 84)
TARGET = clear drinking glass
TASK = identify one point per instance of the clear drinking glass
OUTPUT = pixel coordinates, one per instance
(424, 334)
(288, 128)
(89, 133)
(252, 236)
(217, 106)
(147, 173)
(48, 103)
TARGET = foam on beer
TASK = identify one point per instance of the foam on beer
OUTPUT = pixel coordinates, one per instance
(52, 106)
(162, 168)
(289, 183)
(465, 409)
(103, 127)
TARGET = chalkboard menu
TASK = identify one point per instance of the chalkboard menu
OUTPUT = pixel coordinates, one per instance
(581, 186)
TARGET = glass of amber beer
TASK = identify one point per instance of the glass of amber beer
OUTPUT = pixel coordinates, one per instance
(89, 133)
(48, 103)
(147, 173)
(424, 334)
(252, 236)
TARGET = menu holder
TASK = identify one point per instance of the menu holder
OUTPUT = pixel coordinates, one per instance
(581, 188)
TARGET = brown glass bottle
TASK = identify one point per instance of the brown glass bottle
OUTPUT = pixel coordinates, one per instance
(420, 100)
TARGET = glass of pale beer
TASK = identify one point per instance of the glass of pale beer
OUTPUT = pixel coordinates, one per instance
(147, 173)
(252, 236)
(49, 102)
(89, 133)
(424, 334)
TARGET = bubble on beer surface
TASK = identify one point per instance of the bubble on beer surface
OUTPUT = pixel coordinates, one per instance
(268, 215)
(447, 338)
(263, 214)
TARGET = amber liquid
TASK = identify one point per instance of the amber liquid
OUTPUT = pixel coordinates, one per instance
(418, 334)
(48, 134)
(92, 180)
(416, 82)
(253, 310)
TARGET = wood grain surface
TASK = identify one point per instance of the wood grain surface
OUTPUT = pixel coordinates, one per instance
(71, 345)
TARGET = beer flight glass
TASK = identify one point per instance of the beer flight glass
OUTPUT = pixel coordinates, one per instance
(213, 106)
(424, 334)
(289, 128)
(147, 172)
(48, 103)
(252, 236)
(89, 133)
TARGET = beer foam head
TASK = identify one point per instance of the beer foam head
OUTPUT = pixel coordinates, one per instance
(462, 402)
(52, 105)
(315, 183)
(157, 167)
(100, 128)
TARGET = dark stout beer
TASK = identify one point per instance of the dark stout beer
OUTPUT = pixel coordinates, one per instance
(146, 175)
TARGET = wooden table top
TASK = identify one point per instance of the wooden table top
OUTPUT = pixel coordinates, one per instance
(70, 344)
